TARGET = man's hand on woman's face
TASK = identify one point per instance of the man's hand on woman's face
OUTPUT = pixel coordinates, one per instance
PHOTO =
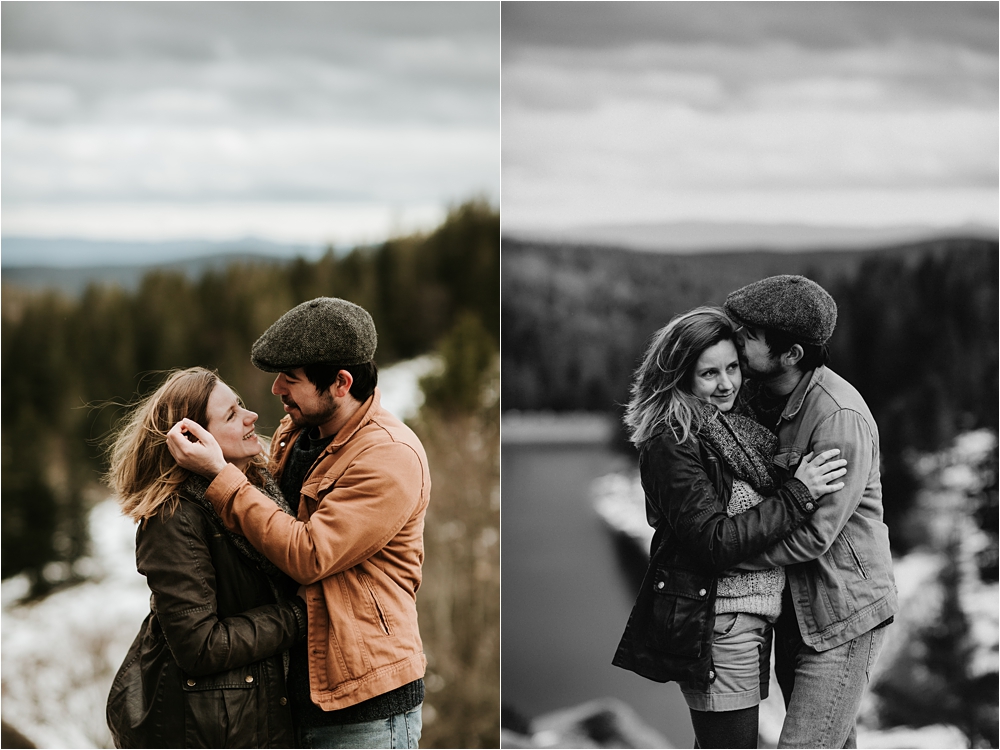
(202, 454)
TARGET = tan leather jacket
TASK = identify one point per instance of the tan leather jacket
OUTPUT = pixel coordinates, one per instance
(357, 548)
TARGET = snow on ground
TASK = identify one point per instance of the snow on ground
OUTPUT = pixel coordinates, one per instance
(620, 501)
(59, 655)
(938, 736)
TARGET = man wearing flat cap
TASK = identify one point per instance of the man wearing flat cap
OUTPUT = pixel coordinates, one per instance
(358, 480)
(840, 594)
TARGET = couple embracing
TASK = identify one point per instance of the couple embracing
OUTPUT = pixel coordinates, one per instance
(760, 467)
(283, 608)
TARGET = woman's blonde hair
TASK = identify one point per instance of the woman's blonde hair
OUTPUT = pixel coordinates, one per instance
(141, 471)
(661, 387)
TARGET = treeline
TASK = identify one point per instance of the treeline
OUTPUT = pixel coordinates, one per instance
(917, 330)
(67, 362)
(576, 318)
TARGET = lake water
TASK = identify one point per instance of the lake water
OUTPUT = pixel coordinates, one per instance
(566, 596)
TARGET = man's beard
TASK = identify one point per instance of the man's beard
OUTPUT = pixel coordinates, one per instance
(773, 368)
(314, 419)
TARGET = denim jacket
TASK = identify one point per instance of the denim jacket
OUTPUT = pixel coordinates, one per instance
(838, 565)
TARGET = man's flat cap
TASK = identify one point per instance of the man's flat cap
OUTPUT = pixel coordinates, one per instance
(793, 304)
(323, 330)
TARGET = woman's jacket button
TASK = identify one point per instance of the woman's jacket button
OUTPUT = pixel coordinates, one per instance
(809, 506)
(283, 701)
(192, 683)
(660, 584)
(711, 675)
(702, 592)
(248, 678)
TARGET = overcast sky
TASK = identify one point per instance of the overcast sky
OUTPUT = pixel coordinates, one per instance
(864, 113)
(308, 122)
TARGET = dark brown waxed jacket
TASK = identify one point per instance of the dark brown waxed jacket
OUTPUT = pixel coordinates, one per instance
(206, 669)
(687, 485)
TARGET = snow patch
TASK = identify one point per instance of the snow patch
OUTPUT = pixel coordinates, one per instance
(60, 654)
(400, 384)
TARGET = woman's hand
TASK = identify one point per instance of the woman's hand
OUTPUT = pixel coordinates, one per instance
(817, 472)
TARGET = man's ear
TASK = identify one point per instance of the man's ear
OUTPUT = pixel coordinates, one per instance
(341, 386)
(792, 357)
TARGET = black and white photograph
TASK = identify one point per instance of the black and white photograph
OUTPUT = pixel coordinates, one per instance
(743, 244)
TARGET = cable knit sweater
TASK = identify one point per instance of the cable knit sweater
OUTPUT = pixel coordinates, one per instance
(747, 448)
(757, 592)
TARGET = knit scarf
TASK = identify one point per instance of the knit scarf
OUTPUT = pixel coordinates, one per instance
(746, 446)
(194, 488)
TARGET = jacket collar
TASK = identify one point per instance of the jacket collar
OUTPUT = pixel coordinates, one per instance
(361, 417)
(798, 396)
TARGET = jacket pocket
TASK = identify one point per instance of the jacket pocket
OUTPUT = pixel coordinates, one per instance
(377, 610)
(127, 710)
(855, 557)
(680, 611)
(220, 710)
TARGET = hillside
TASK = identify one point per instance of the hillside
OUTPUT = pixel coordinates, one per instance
(576, 317)
(717, 236)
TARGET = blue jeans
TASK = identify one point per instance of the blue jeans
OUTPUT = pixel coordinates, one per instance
(398, 731)
(822, 689)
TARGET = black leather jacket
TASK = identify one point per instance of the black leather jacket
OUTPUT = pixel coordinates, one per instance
(206, 669)
(687, 485)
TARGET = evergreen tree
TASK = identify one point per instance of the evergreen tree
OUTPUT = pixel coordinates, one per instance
(70, 364)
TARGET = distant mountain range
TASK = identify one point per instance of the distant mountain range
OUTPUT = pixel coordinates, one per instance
(76, 253)
(73, 280)
(697, 237)
(68, 265)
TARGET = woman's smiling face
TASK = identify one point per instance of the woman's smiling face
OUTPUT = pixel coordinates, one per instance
(232, 426)
(717, 377)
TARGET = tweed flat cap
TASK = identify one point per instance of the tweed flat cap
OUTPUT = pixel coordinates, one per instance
(323, 330)
(793, 304)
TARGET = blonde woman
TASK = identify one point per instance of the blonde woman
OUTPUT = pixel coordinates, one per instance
(714, 501)
(208, 666)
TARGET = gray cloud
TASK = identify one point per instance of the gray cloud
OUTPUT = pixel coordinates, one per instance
(717, 77)
(245, 100)
(676, 110)
(824, 25)
(208, 30)
(434, 62)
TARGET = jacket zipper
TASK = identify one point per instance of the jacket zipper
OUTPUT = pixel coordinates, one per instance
(718, 480)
